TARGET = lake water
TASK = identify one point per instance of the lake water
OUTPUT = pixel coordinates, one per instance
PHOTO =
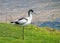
(49, 24)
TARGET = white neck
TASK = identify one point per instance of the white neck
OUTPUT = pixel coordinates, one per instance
(30, 15)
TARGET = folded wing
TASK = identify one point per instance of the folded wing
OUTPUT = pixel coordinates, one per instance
(22, 20)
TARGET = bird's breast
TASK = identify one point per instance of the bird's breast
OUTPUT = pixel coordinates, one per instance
(29, 20)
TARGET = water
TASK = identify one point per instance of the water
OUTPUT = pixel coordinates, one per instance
(51, 24)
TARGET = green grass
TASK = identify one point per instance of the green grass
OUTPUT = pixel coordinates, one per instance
(10, 33)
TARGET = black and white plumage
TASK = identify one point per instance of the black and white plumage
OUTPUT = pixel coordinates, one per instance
(25, 20)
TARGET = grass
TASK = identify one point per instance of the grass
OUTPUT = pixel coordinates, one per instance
(10, 33)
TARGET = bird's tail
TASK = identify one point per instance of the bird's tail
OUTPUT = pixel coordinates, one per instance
(12, 22)
(16, 22)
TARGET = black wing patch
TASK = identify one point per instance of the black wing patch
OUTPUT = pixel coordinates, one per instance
(23, 18)
(17, 22)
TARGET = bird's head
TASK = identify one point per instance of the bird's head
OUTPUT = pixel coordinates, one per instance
(31, 11)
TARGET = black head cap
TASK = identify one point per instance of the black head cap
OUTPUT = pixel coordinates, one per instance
(30, 10)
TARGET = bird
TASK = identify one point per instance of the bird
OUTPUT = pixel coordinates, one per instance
(25, 20)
